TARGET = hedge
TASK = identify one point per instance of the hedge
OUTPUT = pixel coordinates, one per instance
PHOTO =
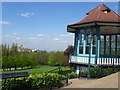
(43, 80)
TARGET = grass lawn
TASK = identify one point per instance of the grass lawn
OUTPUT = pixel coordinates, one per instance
(37, 69)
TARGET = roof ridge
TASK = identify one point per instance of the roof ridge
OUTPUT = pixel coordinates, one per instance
(98, 14)
(97, 7)
(111, 10)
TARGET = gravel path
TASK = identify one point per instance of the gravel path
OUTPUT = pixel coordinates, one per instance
(110, 81)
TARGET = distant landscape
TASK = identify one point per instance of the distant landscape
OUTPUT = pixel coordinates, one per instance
(18, 57)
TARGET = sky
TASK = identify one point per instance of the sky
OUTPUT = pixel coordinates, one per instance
(43, 25)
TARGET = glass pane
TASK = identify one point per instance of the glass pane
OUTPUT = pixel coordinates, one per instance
(80, 50)
(102, 41)
(94, 50)
(118, 41)
(118, 44)
(81, 38)
(113, 51)
(94, 40)
(107, 51)
(107, 44)
(88, 31)
(107, 38)
(87, 50)
(112, 37)
(101, 44)
(102, 51)
(118, 51)
(81, 42)
(86, 40)
(118, 38)
(82, 31)
(101, 38)
(112, 45)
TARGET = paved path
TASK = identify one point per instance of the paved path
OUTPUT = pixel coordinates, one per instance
(110, 81)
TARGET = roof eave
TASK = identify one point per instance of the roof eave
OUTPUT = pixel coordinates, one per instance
(93, 23)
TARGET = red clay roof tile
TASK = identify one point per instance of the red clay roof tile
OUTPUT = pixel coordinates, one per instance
(100, 13)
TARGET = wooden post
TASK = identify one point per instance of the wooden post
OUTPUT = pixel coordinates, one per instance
(97, 42)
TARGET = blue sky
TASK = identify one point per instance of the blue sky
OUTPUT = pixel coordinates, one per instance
(43, 25)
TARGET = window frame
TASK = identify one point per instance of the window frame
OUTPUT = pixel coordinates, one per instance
(85, 45)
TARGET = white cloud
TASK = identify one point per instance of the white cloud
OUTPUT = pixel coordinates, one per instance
(65, 41)
(48, 35)
(32, 38)
(27, 14)
(56, 39)
(63, 35)
(40, 41)
(14, 33)
(40, 38)
(18, 38)
(4, 22)
(6, 35)
(71, 34)
(55, 33)
(40, 35)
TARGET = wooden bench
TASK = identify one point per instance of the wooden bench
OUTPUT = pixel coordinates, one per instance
(12, 75)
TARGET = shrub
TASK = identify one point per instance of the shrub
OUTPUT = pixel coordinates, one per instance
(15, 84)
(83, 73)
(46, 80)
(43, 80)
(72, 75)
(97, 72)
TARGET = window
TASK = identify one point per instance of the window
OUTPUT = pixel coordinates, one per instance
(107, 46)
(101, 44)
(113, 39)
(110, 44)
(105, 11)
(118, 44)
(83, 45)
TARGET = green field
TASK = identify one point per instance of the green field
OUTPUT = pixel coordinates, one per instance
(37, 69)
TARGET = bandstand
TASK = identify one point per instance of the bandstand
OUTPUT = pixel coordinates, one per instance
(103, 24)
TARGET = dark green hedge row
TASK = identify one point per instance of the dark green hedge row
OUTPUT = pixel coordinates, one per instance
(44, 80)
(97, 72)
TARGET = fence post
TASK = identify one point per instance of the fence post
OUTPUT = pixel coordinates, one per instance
(113, 65)
(67, 79)
(79, 72)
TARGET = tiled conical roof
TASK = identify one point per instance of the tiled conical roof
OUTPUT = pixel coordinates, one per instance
(100, 13)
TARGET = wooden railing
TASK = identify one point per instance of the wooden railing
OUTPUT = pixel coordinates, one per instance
(100, 60)
(108, 61)
(82, 60)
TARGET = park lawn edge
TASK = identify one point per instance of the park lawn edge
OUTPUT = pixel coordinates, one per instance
(37, 69)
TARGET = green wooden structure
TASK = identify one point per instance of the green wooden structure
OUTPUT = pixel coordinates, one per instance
(104, 25)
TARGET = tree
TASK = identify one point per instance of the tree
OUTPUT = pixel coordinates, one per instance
(14, 50)
(5, 50)
(62, 59)
(0, 51)
(52, 59)
(32, 62)
(42, 57)
(68, 51)
(10, 62)
(23, 60)
(17, 61)
(4, 62)
(57, 58)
